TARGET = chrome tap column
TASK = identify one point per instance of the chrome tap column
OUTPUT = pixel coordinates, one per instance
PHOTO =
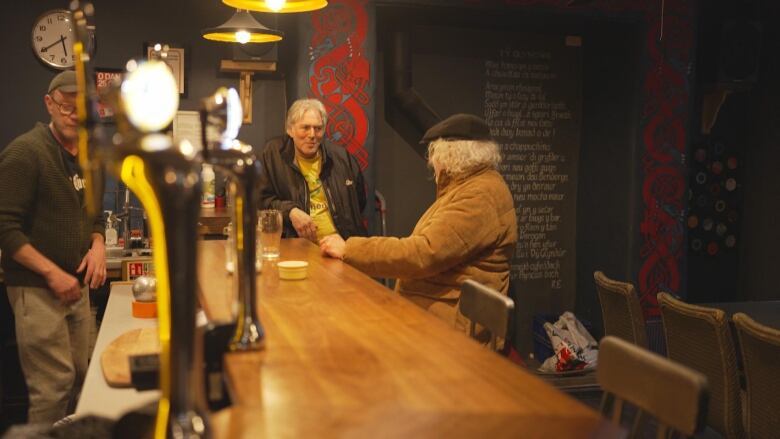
(221, 117)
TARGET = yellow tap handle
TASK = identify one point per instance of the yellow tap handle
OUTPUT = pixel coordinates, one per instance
(134, 176)
(81, 111)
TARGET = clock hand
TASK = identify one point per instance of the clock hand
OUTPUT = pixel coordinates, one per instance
(44, 49)
(64, 48)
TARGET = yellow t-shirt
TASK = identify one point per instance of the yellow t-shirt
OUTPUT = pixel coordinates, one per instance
(310, 168)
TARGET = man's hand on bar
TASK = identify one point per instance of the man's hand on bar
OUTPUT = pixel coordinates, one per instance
(333, 246)
(304, 224)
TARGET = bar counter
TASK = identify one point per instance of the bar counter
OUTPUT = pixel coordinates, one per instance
(345, 356)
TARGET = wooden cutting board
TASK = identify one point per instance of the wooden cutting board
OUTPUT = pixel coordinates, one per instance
(115, 358)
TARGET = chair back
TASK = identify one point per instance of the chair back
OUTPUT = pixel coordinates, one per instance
(760, 347)
(487, 307)
(675, 395)
(620, 310)
(699, 337)
(380, 206)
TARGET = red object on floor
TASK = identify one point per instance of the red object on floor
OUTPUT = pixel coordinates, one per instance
(514, 356)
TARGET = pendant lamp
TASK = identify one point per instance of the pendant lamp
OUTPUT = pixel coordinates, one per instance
(281, 6)
(242, 28)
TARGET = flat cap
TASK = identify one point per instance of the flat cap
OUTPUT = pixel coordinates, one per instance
(459, 126)
(65, 82)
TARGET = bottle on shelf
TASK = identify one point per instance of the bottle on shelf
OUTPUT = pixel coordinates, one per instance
(111, 233)
(136, 239)
(209, 185)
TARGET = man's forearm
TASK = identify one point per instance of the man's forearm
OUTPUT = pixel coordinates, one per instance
(32, 259)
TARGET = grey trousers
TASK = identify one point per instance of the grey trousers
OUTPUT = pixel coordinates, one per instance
(53, 342)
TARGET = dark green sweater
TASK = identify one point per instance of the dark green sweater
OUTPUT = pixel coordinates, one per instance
(40, 206)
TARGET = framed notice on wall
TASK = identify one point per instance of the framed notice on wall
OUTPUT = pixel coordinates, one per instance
(103, 79)
(173, 57)
(186, 126)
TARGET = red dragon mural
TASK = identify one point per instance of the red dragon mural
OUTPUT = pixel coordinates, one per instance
(664, 114)
(340, 73)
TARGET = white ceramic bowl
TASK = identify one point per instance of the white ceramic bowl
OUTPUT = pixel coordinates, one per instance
(292, 270)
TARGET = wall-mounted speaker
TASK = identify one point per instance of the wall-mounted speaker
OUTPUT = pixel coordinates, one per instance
(255, 52)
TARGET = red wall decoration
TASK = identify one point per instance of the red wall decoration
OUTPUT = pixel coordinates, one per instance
(340, 73)
(664, 115)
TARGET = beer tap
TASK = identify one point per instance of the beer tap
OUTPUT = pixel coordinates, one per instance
(221, 117)
(164, 177)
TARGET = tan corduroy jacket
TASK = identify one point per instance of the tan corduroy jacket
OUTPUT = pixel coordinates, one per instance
(469, 232)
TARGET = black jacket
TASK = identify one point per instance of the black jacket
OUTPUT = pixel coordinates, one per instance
(283, 187)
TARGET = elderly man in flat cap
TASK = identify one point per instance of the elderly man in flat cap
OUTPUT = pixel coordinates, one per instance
(469, 232)
(51, 253)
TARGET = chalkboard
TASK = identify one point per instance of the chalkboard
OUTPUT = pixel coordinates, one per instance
(528, 87)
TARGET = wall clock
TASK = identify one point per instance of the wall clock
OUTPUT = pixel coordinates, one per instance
(53, 37)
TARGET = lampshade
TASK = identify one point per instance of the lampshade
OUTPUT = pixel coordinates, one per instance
(277, 5)
(242, 28)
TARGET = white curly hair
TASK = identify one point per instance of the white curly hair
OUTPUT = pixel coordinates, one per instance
(459, 158)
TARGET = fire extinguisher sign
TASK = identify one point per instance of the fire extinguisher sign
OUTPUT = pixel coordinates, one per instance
(137, 268)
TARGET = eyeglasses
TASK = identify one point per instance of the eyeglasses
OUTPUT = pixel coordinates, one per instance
(65, 109)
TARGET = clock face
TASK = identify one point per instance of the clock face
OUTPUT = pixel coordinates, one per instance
(53, 37)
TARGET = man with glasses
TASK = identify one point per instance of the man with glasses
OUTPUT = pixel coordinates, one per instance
(51, 254)
(318, 187)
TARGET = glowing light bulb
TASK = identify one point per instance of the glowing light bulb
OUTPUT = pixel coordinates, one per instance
(275, 5)
(242, 36)
(150, 96)
(186, 148)
(235, 116)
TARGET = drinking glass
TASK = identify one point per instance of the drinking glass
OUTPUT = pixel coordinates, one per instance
(269, 231)
(230, 248)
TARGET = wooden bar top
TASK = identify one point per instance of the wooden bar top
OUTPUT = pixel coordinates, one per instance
(346, 357)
